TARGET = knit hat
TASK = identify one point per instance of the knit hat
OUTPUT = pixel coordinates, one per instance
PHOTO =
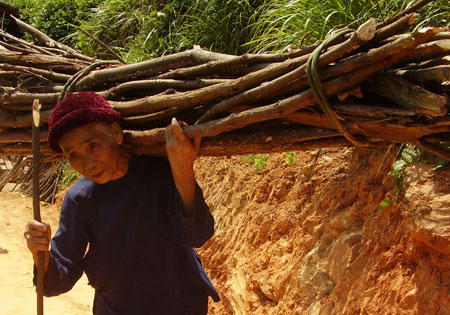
(75, 111)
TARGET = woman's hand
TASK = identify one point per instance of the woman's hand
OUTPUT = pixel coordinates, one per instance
(38, 237)
(182, 153)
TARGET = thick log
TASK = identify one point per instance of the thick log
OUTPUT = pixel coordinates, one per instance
(21, 120)
(263, 141)
(388, 130)
(20, 135)
(28, 97)
(429, 50)
(408, 95)
(373, 111)
(159, 84)
(45, 62)
(438, 74)
(24, 149)
(149, 68)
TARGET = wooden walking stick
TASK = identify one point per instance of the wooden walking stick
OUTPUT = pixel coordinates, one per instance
(36, 205)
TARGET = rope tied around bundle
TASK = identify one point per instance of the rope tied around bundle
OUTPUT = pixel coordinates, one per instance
(312, 72)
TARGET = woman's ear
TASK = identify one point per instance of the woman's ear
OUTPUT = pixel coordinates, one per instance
(117, 132)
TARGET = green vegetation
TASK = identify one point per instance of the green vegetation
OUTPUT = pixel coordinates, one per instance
(68, 175)
(142, 29)
(289, 157)
(57, 18)
(408, 154)
(259, 161)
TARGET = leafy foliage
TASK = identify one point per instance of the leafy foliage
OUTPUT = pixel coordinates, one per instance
(289, 157)
(259, 161)
(56, 18)
(68, 175)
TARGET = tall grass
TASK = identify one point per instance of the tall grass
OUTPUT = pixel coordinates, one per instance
(284, 24)
(141, 29)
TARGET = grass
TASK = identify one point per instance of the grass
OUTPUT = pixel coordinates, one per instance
(68, 175)
(143, 29)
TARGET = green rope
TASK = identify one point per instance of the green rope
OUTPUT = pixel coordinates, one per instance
(312, 72)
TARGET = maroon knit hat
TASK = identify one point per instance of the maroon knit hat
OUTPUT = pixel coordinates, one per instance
(75, 111)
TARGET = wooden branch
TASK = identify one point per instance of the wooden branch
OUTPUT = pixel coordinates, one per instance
(408, 95)
(51, 75)
(438, 74)
(29, 97)
(395, 27)
(402, 45)
(238, 143)
(433, 148)
(429, 50)
(25, 44)
(164, 114)
(11, 47)
(21, 107)
(233, 87)
(207, 94)
(364, 33)
(160, 84)
(413, 8)
(373, 111)
(19, 135)
(385, 129)
(51, 63)
(22, 120)
(49, 42)
(278, 110)
(149, 68)
(24, 149)
(442, 35)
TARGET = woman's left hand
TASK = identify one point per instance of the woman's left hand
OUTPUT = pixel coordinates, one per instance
(182, 153)
(180, 150)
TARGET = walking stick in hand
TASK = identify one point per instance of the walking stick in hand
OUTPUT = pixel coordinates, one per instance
(36, 205)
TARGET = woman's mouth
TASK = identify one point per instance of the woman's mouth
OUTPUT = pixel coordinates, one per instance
(98, 175)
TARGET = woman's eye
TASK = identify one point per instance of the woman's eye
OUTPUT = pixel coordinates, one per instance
(93, 146)
(73, 156)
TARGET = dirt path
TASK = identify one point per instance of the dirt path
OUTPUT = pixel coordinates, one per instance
(18, 295)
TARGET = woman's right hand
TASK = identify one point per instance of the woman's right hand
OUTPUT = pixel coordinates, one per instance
(38, 235)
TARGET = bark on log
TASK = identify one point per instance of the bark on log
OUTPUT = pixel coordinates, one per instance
(408, 95)
(258, 101)
(45, 62)
(438, 74)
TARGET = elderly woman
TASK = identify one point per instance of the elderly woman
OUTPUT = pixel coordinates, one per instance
(130, 223)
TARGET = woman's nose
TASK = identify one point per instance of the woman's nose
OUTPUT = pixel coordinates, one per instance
(89, 163)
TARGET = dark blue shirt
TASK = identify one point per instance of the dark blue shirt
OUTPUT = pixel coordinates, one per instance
(130, 238)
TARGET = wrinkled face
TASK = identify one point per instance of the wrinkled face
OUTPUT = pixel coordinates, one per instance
(93, 151)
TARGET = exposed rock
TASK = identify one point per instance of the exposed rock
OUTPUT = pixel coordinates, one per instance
(287, 244)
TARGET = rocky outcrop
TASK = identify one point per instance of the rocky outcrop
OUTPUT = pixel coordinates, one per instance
(298, 239)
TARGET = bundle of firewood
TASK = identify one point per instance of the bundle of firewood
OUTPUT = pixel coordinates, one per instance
(373, 86)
